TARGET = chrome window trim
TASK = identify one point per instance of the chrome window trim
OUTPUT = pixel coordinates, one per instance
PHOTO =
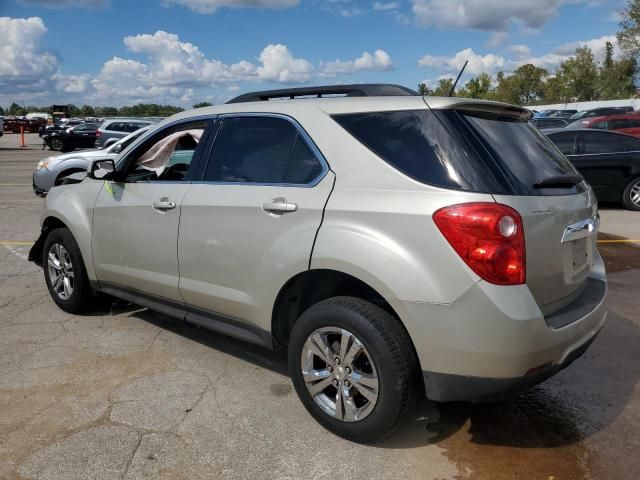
(300, 131)
(606, 153)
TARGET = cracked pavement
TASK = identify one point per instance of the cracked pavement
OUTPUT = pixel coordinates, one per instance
(124, 393)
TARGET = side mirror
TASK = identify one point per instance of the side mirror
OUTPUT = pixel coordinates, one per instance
(102, 169)
(117, 148)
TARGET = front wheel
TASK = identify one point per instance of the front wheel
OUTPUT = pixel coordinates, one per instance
(631, 195)
(65, 273)
(56, 144)
(353, 365)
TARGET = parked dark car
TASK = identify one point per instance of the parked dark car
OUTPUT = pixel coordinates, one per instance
(58, 127)
(609, 161)
(600, 112)
(549, 122)
(80, 136)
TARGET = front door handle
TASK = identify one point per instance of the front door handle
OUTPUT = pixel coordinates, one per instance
(279, 206)
(164, 204)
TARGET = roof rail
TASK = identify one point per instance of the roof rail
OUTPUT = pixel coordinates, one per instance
(358, 90)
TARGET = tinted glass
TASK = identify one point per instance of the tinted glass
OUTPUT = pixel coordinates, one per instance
(420, 145)
(634, 123)
(251, 149)
(618, 124)
(564, 141)
(593, 143)
(303, 166)
(631, 144)
(116, 127)
(602, 125)
(525, 155)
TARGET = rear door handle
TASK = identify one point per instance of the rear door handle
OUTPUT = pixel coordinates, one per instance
(164, 204)
(279, 206)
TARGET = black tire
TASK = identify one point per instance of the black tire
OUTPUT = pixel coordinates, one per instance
(629, 193)
(391, 350)
(56, 144)
(81, 297)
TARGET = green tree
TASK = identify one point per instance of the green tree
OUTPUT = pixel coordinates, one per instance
(580, 73)
(478, 87)
(1, 111)
(527, 83)
(629, 34)
(444, 87)
(202, 104)
(505, 90)
(15, 109)
(555, 90)
(616, 77)
(87, 111)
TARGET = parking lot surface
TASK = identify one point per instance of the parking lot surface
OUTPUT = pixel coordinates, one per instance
(126, 393)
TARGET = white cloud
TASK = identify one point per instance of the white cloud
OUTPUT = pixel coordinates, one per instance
(380, 61)
(210, 6)
(24, 65)
(279, 65)
(385, 5)
(490, 63)
(488, 15)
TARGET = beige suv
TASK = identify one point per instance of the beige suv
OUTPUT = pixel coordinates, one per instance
(396, 245)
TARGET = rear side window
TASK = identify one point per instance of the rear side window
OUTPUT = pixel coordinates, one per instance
(421, 146)
(473, 151)
(618, 124)
(565, 142)
(261, 150)
(116, 127)
(593, 144)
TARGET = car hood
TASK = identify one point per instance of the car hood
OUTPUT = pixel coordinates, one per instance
(83, 155)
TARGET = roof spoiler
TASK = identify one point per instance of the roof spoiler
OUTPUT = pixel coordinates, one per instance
(494, 109)
(357, 90)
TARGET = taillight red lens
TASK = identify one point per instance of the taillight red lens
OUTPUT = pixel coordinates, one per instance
(98, 132)
(489, 237)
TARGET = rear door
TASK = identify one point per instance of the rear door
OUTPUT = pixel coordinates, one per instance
(249, 224)
(603, 161)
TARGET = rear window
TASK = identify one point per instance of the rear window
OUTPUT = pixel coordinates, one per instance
(468, 150)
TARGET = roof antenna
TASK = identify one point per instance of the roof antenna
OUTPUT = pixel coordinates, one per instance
(459, 75)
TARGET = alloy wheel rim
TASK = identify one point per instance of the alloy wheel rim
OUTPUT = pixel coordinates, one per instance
(56, 144)
(635, 194)
(339, 374)
(61, 274)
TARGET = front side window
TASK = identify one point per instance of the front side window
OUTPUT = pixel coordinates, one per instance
(565, 142)
(261, 150)
(167, 155)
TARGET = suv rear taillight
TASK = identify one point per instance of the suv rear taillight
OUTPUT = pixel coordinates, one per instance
(98, 132)
(489, 237)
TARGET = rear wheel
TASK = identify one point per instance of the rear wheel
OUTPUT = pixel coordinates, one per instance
(65, 273)
(56, 144)
(352, 365)
(631, 195)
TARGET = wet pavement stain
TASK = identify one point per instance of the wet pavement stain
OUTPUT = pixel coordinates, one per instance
(619, 257)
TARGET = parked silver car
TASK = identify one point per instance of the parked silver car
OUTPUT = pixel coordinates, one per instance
(51, 170)
(396, 245)
(118, 128)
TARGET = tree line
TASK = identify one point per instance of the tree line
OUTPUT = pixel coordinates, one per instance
(579, 78)
(139, 110)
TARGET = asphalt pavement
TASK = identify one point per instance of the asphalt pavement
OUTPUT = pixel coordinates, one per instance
(125, 393)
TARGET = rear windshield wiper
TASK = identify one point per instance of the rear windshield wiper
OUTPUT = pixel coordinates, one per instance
(559, 181)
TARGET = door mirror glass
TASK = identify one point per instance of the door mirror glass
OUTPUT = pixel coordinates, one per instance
(117, 148)
(102, 169)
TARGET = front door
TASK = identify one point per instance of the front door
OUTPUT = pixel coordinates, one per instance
(248, 226)
(135, 222)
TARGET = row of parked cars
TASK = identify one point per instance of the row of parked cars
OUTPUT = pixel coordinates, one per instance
(68, 135)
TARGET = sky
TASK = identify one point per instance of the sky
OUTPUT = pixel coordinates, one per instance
(180, 52)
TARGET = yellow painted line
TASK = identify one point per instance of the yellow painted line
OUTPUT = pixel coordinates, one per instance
(16, 244)
(626, 240)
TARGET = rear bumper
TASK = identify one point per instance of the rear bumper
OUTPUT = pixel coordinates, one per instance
(443, 387)
(494, 340)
